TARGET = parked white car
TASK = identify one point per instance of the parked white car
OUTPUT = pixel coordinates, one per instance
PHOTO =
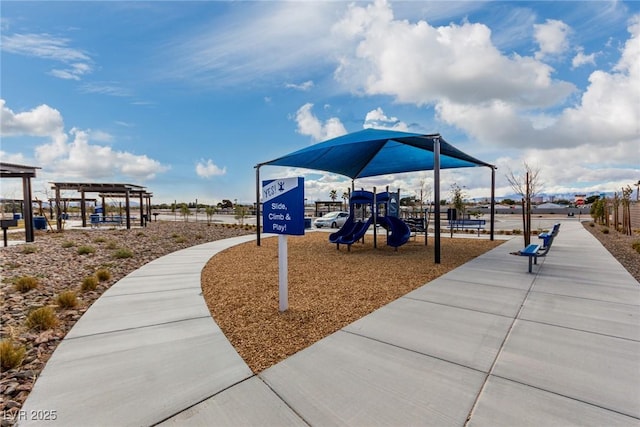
(332, 219)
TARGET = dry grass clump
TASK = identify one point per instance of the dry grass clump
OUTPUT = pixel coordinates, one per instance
(103, 275)
(25, 283)
(67, 299)
(89, 283)
(41, 319)
(328, 289)
(29, 249)
(86, 250)
(122, 253)
(11, 355)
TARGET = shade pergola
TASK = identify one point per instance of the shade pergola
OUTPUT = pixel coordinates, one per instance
(10, 170)
(106, 190)
(373, 152)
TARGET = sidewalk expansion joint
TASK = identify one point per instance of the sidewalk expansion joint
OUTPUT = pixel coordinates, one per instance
(204, 399)
(504, 341)
(414, 351)
(138, 327)
(635, 417)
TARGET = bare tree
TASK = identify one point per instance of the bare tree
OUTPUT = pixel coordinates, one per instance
(527, 186)
(519, 183)
(425, 191)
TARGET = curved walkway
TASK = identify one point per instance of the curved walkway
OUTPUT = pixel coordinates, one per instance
(487, 344)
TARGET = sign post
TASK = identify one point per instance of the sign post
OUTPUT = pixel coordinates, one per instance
(283, 214)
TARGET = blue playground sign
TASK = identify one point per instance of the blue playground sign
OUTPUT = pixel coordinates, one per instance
(283, 206)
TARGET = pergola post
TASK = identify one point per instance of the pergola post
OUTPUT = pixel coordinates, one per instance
(58, 210)
(83, 209)
(27, 212)
(141, 211)
(128, 208)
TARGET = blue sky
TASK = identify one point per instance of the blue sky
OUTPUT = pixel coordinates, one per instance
(186, 97)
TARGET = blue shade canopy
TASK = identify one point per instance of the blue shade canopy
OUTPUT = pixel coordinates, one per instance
(373, 152)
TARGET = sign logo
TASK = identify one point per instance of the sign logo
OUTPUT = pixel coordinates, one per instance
(283, 206)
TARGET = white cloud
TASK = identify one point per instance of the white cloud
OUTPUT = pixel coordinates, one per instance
(208, 169)
(41, 121)
(302, 86)
(581, 59)
(308, 124)
(232, 51)
(78, 158)
(106, 88)
(551, 37)
(421, 64)
(15, 158)
(379, 120)
(46, 46)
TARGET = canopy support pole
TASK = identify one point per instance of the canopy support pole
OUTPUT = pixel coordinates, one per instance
(493, 202)
(436, 195)
(258, 205)
(374, 212)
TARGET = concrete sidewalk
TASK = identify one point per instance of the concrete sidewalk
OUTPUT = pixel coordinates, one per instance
(487, 344)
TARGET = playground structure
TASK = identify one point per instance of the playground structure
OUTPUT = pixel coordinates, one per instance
(365, 204)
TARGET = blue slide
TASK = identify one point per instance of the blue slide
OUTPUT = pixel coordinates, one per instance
(400, 232)
(346, 229)
(354, 234)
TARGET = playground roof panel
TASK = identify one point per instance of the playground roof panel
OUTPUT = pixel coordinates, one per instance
(373, 152)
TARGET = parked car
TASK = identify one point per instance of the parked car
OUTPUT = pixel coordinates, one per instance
(332, 219)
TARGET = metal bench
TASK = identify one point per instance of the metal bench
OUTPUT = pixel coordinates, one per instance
(531, 251)
(548, 236)
(458, 224)
(534, 251)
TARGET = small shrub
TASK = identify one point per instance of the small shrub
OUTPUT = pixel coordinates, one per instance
(41, 319)
(181, 239)
(112, 245)
(85, 250)
(140, 234)
(99, 240)
(11, 355)
(605, 230)
(68, 244)
(175, 235)
(517, 231)
(89, 283)
(636, 245)
(26, 283)
(29, 249)
(592, 224)
(103, 274)
(67, 299)
(122, 253)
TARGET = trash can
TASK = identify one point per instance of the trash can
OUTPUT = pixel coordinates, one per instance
(39, 223)
(17, 216)
(307, 223)
(452, 214)
(95, 219)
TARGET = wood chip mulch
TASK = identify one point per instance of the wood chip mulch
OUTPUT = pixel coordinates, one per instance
(328, 289)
